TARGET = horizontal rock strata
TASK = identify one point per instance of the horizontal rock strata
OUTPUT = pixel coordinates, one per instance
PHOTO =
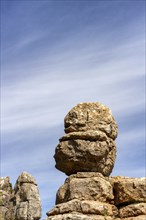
(129, 190)
(90, 195)
(85, 186)
(87, 153)
(88, 144)
(85, 207)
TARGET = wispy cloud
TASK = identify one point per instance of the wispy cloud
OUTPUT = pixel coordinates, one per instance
(55, 55)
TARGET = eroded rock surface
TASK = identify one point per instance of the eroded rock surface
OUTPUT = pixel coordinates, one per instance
(91, 116)
(5, 195)
(23, 202)
(87, 153)
(89, 143)
(85, 186)
(129, 190)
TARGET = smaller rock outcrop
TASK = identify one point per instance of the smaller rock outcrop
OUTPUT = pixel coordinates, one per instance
(23, 202)
(5, 195)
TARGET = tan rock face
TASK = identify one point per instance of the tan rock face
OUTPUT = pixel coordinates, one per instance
(85, 187)
(129, 190)
(79, 216)
(23, 203)
(91, 116)
(132, 210)
(5, 195)
(87, 153)
(85, 207)
(89, 143)
(140, 217)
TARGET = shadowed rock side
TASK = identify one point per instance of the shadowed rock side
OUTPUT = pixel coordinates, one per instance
(89, 143)
(87, 153)
(22, 202)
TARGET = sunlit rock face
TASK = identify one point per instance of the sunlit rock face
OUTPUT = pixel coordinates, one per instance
(88, 145)
(22, 202)
(87, 153)
(5, 195)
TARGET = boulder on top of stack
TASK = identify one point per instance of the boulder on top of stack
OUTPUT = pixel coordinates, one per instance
(88, 145)
(87, 153)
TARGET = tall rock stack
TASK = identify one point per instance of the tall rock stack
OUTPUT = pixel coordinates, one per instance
(88, 145)
(87, 154)
(22, 202)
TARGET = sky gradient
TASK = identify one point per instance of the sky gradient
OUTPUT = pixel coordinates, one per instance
(56, 54)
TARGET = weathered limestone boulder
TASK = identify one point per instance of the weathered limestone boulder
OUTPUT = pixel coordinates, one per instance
(23, 203)
(89, 143)
(85, 186)
(129, 190)
(84, 207)
(91, 116)
(87, 153)
(5, 195)
(85, 195)
(132, 210)
(80, 152)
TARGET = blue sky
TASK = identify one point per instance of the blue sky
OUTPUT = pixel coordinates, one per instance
(56, 54)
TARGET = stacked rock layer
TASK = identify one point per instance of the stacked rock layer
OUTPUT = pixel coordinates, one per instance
(87, 153)
(22, 202)
(89, 141)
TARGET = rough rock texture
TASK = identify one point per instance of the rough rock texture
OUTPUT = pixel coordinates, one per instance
(5, 195)
(134, 209)
(85, 207)
(80, 216)
(85, 186)
(23, 202)
(91, 116)
(90, 195)
(129, 190)
(87, 153)
(89, 142)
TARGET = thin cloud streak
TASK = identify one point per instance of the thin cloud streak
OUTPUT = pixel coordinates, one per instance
(54, 57)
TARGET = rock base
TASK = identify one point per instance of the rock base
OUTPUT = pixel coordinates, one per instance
(91, 196)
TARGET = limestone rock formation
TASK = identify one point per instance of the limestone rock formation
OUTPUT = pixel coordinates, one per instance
(89, 143)
(129, 190)
(92, 196)
(91, 116)
(86, 186)
(87, 153)
(23, 203)
(5, 195)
